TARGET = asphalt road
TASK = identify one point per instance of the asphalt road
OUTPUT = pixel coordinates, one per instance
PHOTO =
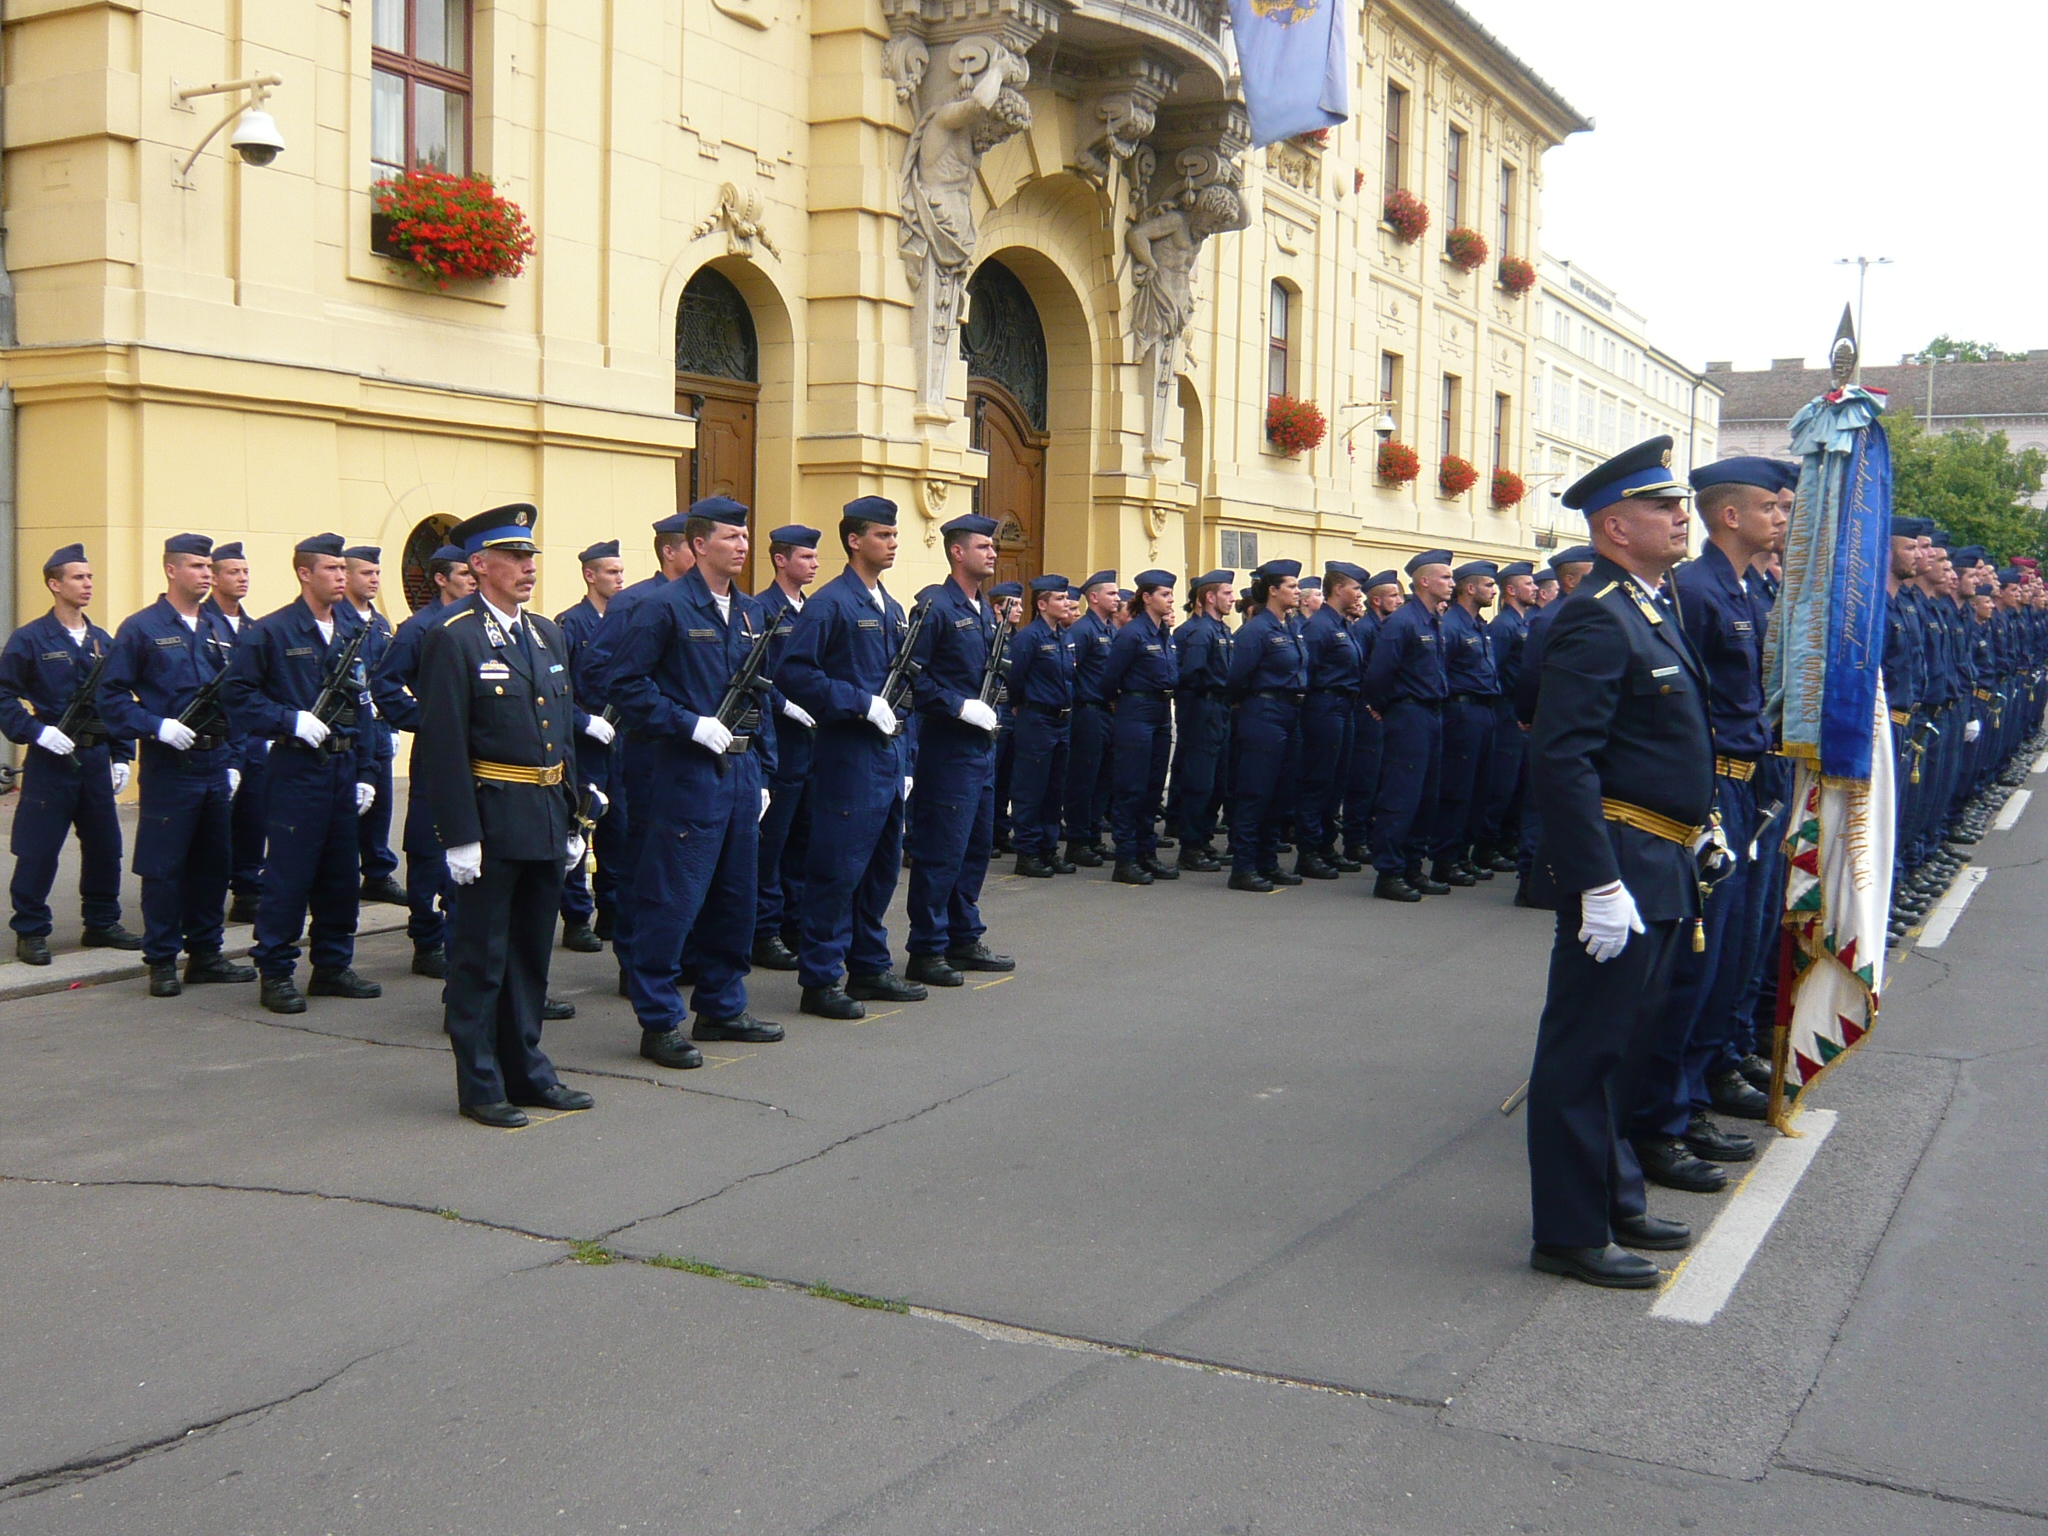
(1206, 1220)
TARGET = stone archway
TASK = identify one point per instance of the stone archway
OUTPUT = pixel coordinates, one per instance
(1004, 345)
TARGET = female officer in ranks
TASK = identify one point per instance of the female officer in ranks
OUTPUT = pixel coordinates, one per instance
(1137, 681)
(1268, 678)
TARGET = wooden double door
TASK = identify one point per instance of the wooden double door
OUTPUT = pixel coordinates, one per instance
(1014, 493)
(722, 463)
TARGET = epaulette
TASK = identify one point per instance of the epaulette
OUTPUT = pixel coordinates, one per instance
(458, 618)
(1606, 589)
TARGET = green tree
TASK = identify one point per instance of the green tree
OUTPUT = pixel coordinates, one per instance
(1945, 349)
(1971, 483)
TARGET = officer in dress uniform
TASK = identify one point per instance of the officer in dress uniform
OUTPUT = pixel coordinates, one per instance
(589, 904)
(373, 827)
(495, 758)
(1468, 722)
(1621, 766)
(1008, 597)
(704, 792)
(224, 606)
(394, 687)
(1499, 806)
(1042, 684)
(1569, 567)
(786, 829)
(1138, 681)
(1368, 734)
(68, 778)
(839, 656)
(1202, 650)
(1406, 683)
(1088, 760)
(1268, 677)
(287, 683)
(952, 812)
(1329, 719)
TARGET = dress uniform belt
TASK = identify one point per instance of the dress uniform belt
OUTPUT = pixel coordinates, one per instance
(1740, 769)
(1902, 717)
(1050, 711)
(1649, 821)
(1487, 699)
(1982, 693)
(1089, 704)
(515, 773)
(1143, 693)
(1335, 693)
(1280, 695)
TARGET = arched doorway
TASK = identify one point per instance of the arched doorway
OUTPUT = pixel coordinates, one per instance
(718, 381)
(429, 535)
(1004, 345)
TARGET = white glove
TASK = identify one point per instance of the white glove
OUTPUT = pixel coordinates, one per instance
(599, 730)
(50, 739)
(795, 712)
(309, 730)
(465, 863)
(974, 712)
(881, 716)
(575, 847)
(1973, 730)
(710, 735)
(1606, 918)
(604, 801)
(907, 782)
(234, 782)
(366, 796)
(764, 807)
(121, 772)
(175, 734)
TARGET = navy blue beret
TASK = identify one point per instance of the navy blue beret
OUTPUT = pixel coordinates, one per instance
(2011, 576)
(188, 544)
(1543, 573)
(1765, 474)
(222, 552)
(1427, 557)
(1310, 583)
(320, 544)
(1912, 527)
(1043, 584)
(1578, 554)
(604, 549)
(369, 553)
(1073, 594)
(1348, 571)
(70, 554)
(1155, 578)
(1125, 594)
(1475, 568)
(452, 552)
(871, 509)
(796, 535)
(1277, 570)
(1516, 568)
(720, 509)
(1215, 579)
(672, 523)
(1384, 579)
(1099, 579)
(1006, 589)
(970, 523)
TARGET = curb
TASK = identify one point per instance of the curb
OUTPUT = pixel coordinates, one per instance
(95, 967)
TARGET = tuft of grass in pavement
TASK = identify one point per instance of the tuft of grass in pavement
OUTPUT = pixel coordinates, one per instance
(709, 1271)
(589, 1251)
(448, 1215)
(854, 1298)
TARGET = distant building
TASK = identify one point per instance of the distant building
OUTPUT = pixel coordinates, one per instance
(1598, 385)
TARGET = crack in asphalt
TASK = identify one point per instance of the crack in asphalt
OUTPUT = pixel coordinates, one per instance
(1911, 1490)
(85, 1468)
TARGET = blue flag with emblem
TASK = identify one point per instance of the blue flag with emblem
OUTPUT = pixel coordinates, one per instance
(1290, 54)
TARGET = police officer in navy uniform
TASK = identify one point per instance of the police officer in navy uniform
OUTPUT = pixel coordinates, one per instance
(161, 686)
(1905, 660)
(1329, 722)
(67, 779)
(1088, 758)
(1368, 730)
(1138, 681)
(224, 606)
(1499, 806)
(952, 811)
(1201, 713)
(1042, 686)
(1008, 597)
(589, 905)
(394, 687)
(1568, 568)
(838, 658)
(786, 829)
(1406, 683)
(1468, 721)
(323, 774)
(495, 758)
(1621, 763)
(1268, 677)
(373, 828)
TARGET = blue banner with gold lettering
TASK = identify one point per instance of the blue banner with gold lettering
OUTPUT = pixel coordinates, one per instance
(1290, 54)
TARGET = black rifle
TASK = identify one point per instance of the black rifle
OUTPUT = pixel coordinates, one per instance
(740, 710)
(995, 673)
(204, 717)
(904, 668)
(81, 718)
(335, 706)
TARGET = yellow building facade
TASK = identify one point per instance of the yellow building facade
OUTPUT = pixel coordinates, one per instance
(1014, 254)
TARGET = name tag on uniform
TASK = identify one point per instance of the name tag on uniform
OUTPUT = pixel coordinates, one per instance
(54, 656)
(492, 670)
(1427, 639)
(1045, 650)
(1665, 671)
(967, 623)
(170, 639)
(556, 667)
(867, 623)
(299, 650)
(1742, 626)
(703, 634)
(784, 628)
(1151, 650)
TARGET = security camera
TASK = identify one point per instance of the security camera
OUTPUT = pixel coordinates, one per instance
(256, 138)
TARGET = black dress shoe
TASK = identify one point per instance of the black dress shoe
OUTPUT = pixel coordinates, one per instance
(1060, 866)
(1032, 867)
(1196, 862)
(884, 987)
(978, 957)
(1083, 855)
(1130, 872)
(933, 970)
(581, 938)
(1732, 1095)
(1756, 1071)
(431, 962)
(668, 1048)
(746, 1028)
(830, 1003)
(1004, 843)
(558, 1097)
(771, 954)
(1158, 868)
(1500, 863)
(1613, 1267)
(163, 980)
(384, 889)
(1357, 853)
(1248, 880)
(1707, 1140)
(1426, 884)
(1476, 871)
(554, 1009)
(499, 1117)
(242, 910)
(1447, 873)
(113, 936)
(603, 926)
(201, 969)
(281, 994)
(1343, 863)
(1670, 1162)
(342, 983)
(32, 949)
(1308, 867)
(1280, 876)
(1648, 1231)
(1391, 887)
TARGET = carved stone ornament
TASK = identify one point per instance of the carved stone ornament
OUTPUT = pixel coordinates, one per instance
(1125, 103)
(931, 500)
(739, 214)
(1292, 166)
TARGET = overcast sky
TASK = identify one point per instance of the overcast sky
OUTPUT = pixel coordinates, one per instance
(1741, 147)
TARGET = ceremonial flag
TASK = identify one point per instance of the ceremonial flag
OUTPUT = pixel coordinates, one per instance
(1824, 678)
(1290, 55)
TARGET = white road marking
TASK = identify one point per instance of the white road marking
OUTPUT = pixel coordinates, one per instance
(2010, 811)
(1942, 921)
(1710, 1274)
(2041, 763)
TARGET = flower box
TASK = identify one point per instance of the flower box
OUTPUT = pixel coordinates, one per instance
(447, 228)
(1508, 489)
(1407, 213)
(1455, 476)
(1294, 426)
(1516, 275)
(1398, 463)
(1465, 249)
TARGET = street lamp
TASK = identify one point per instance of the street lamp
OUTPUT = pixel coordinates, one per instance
(255, 138)
(1862, 264)
(1384, 425)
